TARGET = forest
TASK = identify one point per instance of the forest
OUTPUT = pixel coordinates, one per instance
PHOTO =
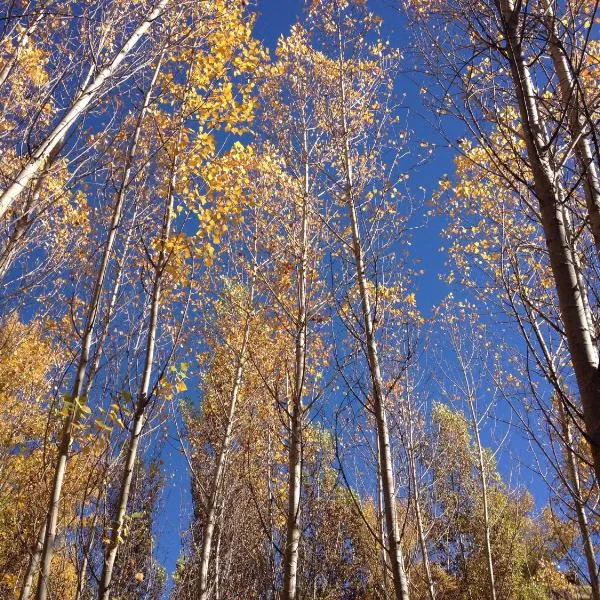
(299, 299)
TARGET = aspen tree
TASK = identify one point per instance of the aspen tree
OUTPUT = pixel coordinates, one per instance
(207, 102)
(76, 398)
(411, 422)
(506, 247)
(220, 465)
(92, 90)
(573, 101)
(338, 13)
(502, 30)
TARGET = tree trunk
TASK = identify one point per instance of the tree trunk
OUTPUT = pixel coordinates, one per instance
(81, 580)
(139, 417)
(34, 562)
(379, 409)
(580, 509)
(217, 479)
(91, 91)
(21, 43)
(385, 563)
(485, 501)
(584, 355)
(416, 497)
(25, 220)
(570, 94)
(292, 541)
(86, 343)
(22, 224)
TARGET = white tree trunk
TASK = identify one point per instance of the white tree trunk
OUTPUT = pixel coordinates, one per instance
(139, 417)
(412, 459)
(292, 541)
(570, 95)
(34, 562)
(584, 355)
(86, 343)
(218, 474)
(91, 91)
(379, 409)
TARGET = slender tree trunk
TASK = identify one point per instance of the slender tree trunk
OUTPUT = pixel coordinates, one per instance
(218, 561)
(379, 409)
(218, 474)
(91, 91)
(34, 562)
(22, 41)
(22, 223)
(81, 580)
(86, 343)
(25, 220)
(416, 497)
(584, 354)
(485, 500)
(139, 416)
(292, 541)
(270, 478)
(110, 308)
(385, 563)
(571, 479)
(570, 94)
(580, 508)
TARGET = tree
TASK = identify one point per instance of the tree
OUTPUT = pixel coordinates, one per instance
(492, 42)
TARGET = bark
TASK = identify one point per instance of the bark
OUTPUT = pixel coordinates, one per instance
(379, 409)
(485, 500)
(22, 224)
(292, 541)
(270, 479)
(81, 582)
(571, 479)
(34, 562)
(550, 195)
(571, 95)
(66, 436)
(219, 472)
(81, 579)
(580, 508)
(91, 91)
(385, 563)
(417, 500)
(22, 41)
(139, 416)
(25, 220)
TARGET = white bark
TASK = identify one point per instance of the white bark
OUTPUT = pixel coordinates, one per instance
(91, 91)
(78, 384)
(571, 95)
(484, 495)
(219, 472)
(139, 416)
(22, 41)
(580, 508)
(379, 409)
(292, 541)
(34, 562)
(584, 355)
(412, 459)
